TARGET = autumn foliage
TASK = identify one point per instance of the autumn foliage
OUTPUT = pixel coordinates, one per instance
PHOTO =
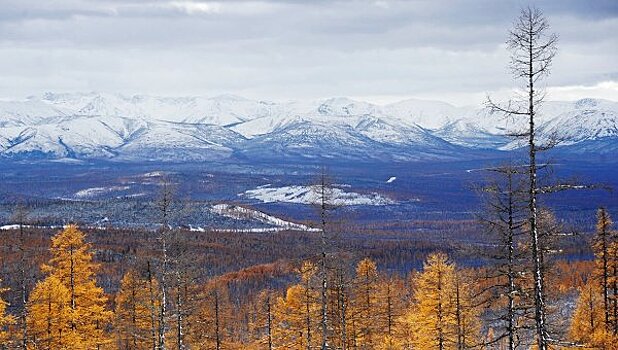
(438, 306)
(67, 308)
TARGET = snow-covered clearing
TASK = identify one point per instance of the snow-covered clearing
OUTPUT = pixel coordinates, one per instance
(154, 174)
(310, 195)
(237, 212)
(96, 191)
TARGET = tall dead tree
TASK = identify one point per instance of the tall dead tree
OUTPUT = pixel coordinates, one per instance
(164, 206)
(341, 283)
(324, 201)
(185, 273)
(504, 220)
(533, 48)
(177, 266)
(20, 217)
(269, 321)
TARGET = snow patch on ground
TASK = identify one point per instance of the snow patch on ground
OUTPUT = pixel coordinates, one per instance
(154, 174)
(237, 212)
(96, 191)
(239, 230)
(16, 227)
(67, 161)
(310, 195)
(133, 195)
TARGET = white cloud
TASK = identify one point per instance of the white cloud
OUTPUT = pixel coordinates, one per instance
(605, 90)
(280, 49)
(191, 7)
(382, 3)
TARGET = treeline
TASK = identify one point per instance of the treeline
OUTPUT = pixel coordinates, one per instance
(160, 304)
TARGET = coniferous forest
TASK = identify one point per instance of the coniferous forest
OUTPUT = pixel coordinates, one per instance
(155, 290)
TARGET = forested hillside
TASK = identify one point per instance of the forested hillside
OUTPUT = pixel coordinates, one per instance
(176, 289)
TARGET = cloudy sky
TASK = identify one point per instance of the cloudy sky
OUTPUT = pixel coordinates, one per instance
(376, 50)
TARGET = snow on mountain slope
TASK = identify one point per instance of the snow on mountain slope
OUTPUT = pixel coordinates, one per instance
(383, 130)
(339, 124)
(340, 110)
(125, 138)
(468, 134)
(585, 120)
(96, 125)
(181, 142)
(591, 120)
(428, 114)
(220, 110)
(27, 113)
(307, 139)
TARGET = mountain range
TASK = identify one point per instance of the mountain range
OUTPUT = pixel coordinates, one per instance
(181, 129)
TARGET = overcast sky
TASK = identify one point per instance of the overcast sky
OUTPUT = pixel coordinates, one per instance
(375, 50)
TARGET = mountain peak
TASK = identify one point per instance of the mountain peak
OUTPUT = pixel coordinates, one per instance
(94, 124)
(586, 103)
(229, 98)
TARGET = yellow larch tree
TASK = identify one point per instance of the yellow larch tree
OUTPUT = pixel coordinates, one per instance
(594, 320)
(437, 310)
(136, 322)
(431, 315)
(467, 313)
(48, 316)
(604, 271)
(587, 325)
(208, 327)
(365, 305)
(391, 301)
(389, 342)
(86, 318)
(613, 294)
(298, 313)
(5, 320)
(263, 320)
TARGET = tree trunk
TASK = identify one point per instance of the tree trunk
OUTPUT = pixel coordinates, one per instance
(270, 323)
(511, 265)
(217, 322)
(323, 272)
(179, 310)
(539, 295)
(308, 315)
(440, 316)
(153, 312)
(163, 315)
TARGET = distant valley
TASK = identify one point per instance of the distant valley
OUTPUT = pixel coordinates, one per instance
(99, 158)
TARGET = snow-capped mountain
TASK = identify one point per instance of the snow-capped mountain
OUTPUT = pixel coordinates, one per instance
(145, 128)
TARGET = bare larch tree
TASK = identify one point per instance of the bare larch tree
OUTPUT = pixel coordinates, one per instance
(324, 201)
(532, 48)
(164, 207)
(323, 191)
(20, 217)
(504, 220)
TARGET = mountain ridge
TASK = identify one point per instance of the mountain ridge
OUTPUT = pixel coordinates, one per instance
(141, 127)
